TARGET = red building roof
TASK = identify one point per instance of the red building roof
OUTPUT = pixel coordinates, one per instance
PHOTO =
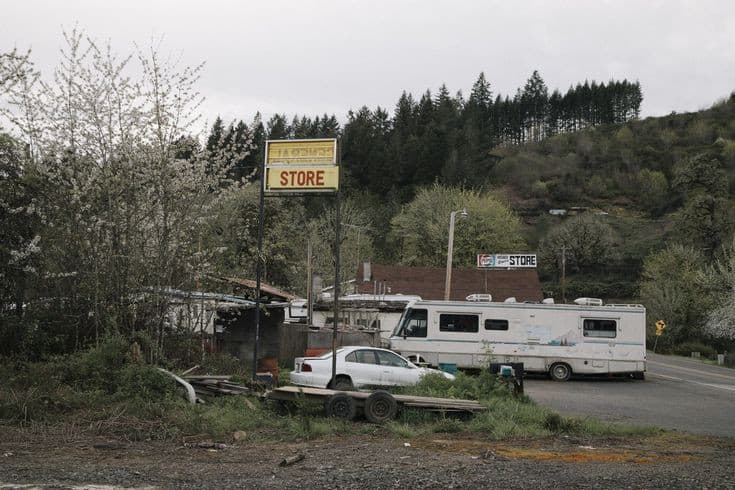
(428, 282)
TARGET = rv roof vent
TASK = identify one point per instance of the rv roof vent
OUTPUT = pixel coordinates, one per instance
(479, 297)
(548, 301)
(512, 299)
(588, 301)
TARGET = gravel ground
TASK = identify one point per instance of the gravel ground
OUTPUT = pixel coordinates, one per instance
(441, 461)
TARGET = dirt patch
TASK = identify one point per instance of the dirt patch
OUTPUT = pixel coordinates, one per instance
(443, 461)
(665, 449)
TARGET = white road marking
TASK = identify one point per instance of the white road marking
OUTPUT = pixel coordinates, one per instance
(708, 385)
(697, 371)
(663, 376)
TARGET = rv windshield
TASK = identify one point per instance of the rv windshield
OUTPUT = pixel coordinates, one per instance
(412, 324)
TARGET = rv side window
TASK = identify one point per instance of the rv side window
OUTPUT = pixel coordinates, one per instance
(458, 323)
(601, 328)
(496, 324)
(414, 324)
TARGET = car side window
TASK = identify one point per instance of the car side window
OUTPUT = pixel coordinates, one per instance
(361, 356)
(390, 359)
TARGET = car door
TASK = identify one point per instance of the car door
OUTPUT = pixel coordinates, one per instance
(395, 370)
(362, 366)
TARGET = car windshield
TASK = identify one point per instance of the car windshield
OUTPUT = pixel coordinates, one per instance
(399, 327)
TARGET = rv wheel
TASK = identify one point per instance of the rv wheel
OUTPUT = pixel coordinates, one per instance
(560, 371)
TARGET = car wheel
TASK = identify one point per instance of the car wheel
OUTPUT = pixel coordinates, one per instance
(560, 371)
(343, 383)
(341, 406)
(380, 407)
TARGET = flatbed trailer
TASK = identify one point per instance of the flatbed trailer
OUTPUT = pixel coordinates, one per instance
(379, 406)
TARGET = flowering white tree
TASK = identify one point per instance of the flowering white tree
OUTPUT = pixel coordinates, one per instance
(126, 186)
(719, 278)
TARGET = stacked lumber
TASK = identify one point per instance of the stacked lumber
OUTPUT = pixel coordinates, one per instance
(215, 385)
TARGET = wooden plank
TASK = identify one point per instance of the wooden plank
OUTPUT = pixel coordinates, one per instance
(190, 370)
(292, 392)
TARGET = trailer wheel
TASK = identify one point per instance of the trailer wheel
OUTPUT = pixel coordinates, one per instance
(341, 406)
(380, 407)
(639, 375)
(560, 371)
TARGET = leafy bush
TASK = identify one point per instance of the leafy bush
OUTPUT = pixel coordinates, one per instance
(99, 376)
(687, 348)
(480, 387)
(224, 363)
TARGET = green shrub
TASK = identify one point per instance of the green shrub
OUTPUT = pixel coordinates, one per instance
(145, 382)
(687, 348)
(224, 363)
(482, 386)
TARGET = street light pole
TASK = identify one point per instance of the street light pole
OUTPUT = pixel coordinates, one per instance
(450, 251)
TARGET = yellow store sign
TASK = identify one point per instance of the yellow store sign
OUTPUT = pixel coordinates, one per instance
(316, 177)
(301, 166)
(302, 152)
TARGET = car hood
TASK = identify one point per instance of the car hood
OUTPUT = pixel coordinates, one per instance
(425, 370)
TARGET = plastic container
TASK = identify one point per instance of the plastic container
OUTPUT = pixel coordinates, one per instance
(448, 368)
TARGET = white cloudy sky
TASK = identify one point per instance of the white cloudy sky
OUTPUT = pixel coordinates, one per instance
(311, 56)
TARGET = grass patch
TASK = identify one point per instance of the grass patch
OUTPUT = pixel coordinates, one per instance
(102, 391)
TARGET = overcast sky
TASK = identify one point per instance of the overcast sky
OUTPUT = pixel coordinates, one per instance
(311, 57)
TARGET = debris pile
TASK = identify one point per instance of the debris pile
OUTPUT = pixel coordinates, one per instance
(210, 384)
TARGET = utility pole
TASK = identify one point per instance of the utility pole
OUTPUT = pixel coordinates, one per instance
(564, 274)
(337, 281)
(450, 252)
(309, 283)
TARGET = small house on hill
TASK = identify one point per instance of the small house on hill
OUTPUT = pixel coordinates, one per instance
(428, 282)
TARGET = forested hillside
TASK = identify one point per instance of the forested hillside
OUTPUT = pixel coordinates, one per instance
(631, 189)
(110, 199)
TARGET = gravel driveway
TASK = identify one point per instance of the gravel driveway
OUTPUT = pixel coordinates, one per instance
(439, 461)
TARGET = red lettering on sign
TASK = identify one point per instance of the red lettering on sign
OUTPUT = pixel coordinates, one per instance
(302, 178)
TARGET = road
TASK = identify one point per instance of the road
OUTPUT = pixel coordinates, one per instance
(678, 393)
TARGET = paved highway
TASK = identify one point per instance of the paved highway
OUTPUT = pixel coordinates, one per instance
(678, 393)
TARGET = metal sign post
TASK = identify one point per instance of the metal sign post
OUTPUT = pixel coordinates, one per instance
(337, 247)
(297, 167)
(259, 272)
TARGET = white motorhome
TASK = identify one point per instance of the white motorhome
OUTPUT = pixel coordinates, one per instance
(559, 339)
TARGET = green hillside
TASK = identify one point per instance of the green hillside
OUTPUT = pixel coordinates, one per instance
(655, 181)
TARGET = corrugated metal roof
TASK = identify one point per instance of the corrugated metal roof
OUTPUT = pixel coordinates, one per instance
(264, 288)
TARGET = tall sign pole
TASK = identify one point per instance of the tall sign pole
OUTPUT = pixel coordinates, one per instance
(259, 270)
(337, 281)
(299, 167)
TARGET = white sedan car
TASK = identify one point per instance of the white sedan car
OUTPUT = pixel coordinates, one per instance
(358, 367)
